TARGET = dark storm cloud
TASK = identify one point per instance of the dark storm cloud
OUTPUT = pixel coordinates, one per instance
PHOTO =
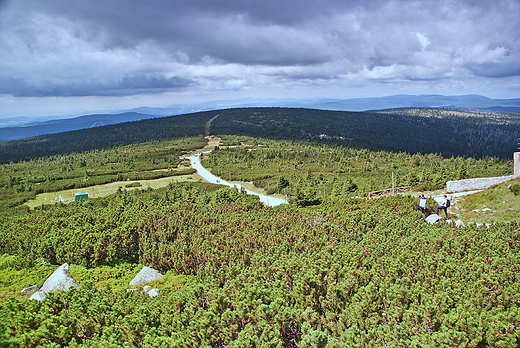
(127, 86)
(243, 32)
(96, 47)
(288, 12)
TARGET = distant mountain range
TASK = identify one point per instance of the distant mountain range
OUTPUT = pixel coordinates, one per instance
(63, 125)
(25, 128)
(471, 101)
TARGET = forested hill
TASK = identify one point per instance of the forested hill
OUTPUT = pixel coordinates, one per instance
(450, 132)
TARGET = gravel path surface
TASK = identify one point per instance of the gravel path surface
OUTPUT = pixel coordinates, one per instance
(206, 174)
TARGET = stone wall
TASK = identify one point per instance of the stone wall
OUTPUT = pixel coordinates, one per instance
(475, 184)
(484, 183)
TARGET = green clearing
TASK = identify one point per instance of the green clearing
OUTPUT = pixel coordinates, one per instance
(22, 181)
(108, 189)
(102, 190)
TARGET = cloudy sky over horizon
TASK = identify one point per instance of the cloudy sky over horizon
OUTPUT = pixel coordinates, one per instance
(71, 56)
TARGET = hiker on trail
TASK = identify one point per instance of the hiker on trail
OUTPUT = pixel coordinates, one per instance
(444, 206)
(422, 204)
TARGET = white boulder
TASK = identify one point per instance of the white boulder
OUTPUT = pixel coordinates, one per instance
(38, 296)
(60, 279)
(433, 218)
(459, 223)
(146, 275)
(154, 292)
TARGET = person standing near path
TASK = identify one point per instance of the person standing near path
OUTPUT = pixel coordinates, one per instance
(422, 204)
(444, 206)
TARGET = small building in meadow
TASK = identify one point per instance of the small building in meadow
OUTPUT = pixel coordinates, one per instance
(81, 196)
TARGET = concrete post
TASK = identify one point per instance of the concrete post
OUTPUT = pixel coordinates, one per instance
(516, 158)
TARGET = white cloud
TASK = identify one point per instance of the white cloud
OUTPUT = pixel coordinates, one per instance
(423, 40)
(481, 53)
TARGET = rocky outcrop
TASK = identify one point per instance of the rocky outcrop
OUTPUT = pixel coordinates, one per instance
(146, 275)
(60, 279)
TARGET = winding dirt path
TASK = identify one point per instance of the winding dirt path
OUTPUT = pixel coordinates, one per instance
(207, 125)
(208, 176)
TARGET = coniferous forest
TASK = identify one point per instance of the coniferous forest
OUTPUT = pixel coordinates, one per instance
(449, 132)
(330, 269)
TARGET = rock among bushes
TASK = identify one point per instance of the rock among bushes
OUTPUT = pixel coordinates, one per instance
(60, 279)
(433, 218)
(146, 275)
(153, 292)
(30, 289)
(38, 296)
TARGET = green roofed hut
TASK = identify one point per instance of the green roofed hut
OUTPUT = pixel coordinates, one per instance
(81, 196)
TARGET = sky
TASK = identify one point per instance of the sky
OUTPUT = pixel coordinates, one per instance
(69, 56)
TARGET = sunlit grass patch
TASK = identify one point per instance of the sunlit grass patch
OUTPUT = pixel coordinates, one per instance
(14, 276)
(495, 204)
(116, 277)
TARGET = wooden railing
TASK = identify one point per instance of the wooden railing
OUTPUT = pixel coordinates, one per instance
(390, 191)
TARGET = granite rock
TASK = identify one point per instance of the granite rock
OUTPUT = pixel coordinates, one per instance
(459, 223)
(146, 275)
(38, 296)
(433, 218)
(60, 279)
(153, 292)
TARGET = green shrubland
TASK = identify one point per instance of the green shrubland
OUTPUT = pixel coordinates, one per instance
(350, 272)
(331, 270)
(309, 173)
(23, 180)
